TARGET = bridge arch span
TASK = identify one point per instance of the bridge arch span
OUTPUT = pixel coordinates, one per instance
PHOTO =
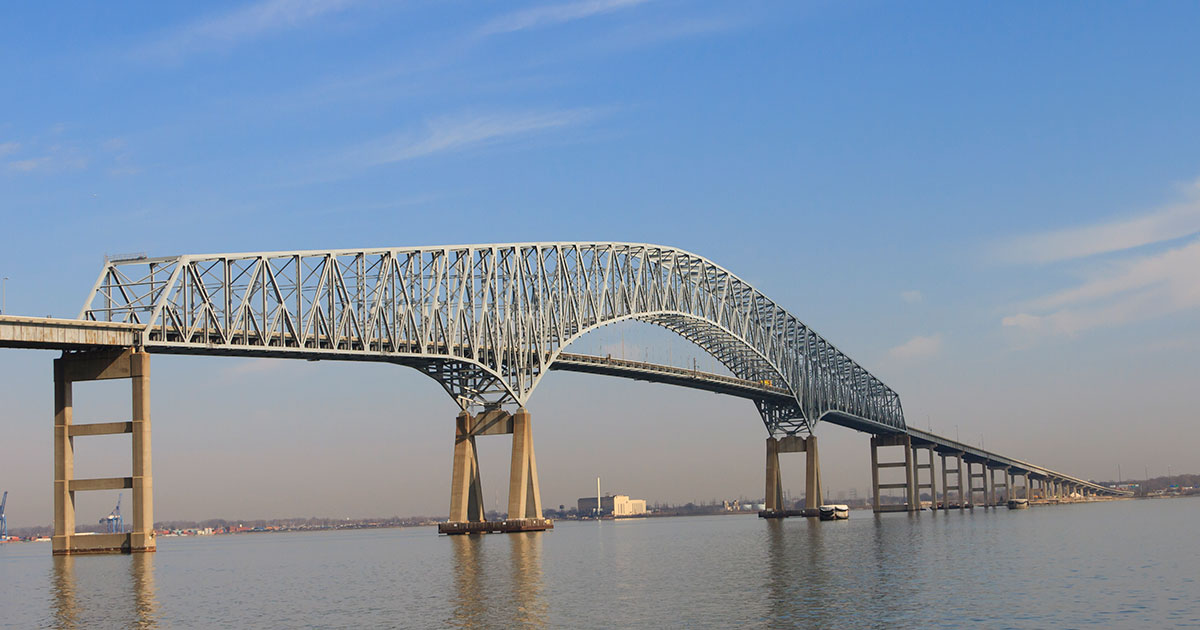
(486, 321)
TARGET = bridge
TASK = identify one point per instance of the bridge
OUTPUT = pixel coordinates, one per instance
(487, 322)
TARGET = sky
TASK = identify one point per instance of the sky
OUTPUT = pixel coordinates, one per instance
(994, 207)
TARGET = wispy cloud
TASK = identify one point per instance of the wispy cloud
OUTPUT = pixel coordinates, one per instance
(242, 25)
(29, 165)
(550, 15)
(911, 297)
(1116, 288)
(56, 158)
(1120, 293)
(1168, 223)
(9, 147)
(919, 347)
(448, 134)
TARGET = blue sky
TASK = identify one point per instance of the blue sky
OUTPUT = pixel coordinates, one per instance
(995, 207)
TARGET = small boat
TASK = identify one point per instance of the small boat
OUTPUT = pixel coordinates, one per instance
(834, 512)
(1018, 504)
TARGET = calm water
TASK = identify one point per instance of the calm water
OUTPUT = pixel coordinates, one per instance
(1128, 564)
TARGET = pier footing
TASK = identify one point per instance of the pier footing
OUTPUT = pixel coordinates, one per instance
(807, 512)
(501, 527)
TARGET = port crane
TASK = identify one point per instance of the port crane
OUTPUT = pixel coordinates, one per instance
(113, 523)
(3, 518)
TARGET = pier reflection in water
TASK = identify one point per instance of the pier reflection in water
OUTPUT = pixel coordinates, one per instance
(119, 593)
(498, 582)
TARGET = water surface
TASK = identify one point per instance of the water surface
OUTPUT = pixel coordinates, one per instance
(1124, 564)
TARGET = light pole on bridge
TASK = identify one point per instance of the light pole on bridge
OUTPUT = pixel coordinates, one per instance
(3, 294)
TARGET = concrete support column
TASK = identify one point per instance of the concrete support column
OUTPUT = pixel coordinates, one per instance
(466, 489)
(142, 535)
(970, 485)
(989, 485)
(964, 484)
(774, 496)
(933, 495)
(875, 473)
(812, 474)
(945, 486)
(64, 462)
(1003, 492)
(524, 496)
(910, 470)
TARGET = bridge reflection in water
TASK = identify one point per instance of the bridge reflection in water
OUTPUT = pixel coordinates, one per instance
(113, 592)
(488, 596)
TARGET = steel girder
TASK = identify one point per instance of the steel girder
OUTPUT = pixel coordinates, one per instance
(485, 321)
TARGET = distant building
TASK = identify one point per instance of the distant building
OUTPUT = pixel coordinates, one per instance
(619, 505)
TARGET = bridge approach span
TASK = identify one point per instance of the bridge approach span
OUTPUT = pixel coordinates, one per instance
(732, 386)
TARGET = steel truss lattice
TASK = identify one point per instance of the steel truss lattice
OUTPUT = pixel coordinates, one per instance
(485, 321)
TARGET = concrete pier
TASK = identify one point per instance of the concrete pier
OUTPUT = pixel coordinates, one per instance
(524, 496)
(774, 498)
(998, 498)
(959, 481)
(964, 483)
(466, 486)
(94, 366)
(775, 507)
(989, 484)
(972, 487)
(931, 476)
(911, 502)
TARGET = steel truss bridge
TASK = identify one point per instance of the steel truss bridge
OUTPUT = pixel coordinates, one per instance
(487, 322)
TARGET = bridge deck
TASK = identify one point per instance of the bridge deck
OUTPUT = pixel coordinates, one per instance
(46, 333)
(71, 334)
